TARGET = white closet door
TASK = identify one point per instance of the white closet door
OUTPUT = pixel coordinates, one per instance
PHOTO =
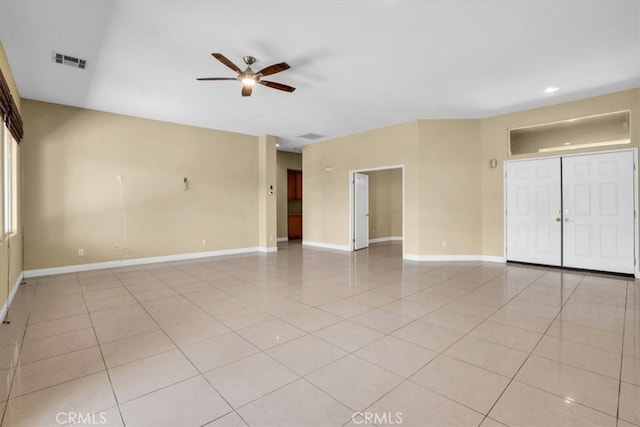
(598, 203)
(534, 227)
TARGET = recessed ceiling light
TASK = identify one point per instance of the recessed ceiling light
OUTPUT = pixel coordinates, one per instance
(551, 89)
(277, 145)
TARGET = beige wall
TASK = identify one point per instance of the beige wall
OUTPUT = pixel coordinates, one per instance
(453, 200)
(452, 196)
(326, 168)
(13, 258)
(385, 203)
(450, 190)
(442, 190)
(285, 160)
(72, 158)
(495, 140)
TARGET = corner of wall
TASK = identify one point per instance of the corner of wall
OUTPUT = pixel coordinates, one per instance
(267, 206)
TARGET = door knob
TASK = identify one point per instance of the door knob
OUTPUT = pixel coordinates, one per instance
(558, 219)
(567, 219)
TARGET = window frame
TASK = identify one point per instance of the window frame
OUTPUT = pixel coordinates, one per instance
(9, 184)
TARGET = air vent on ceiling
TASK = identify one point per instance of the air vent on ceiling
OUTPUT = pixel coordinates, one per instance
(60, 58)
(311, 135)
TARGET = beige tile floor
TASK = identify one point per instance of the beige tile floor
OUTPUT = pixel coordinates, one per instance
(309, 337)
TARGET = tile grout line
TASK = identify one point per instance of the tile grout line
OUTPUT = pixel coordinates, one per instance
(456, 341)
(533, 349)
(57, 384)
(15, 368)
(480, 367)
(300, 377)
(624, 325)
(404, 380)
(200, 374)
(98, 344)
(95, 334)
(235, 410)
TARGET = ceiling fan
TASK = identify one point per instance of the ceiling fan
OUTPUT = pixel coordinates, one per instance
(248, 77)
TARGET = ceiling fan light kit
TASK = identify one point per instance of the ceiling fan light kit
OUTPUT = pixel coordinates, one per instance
(248, 77)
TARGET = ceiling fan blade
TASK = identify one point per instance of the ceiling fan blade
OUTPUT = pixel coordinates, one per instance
(275, 68)
(220, 57)
(216, 78)
(278, 86)
(246, 90)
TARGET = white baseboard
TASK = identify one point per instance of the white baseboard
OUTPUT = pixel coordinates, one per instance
(490, 258)
(486, 258)
(11, 296)
(386, 239)
(196, 255)
(283, 239)
(325, 245)
(138, 261)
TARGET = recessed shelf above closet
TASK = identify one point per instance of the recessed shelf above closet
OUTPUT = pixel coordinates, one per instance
(584, 132)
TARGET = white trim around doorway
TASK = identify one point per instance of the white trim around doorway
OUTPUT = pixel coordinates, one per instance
(351, 213)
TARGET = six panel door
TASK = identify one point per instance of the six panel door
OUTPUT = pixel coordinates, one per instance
(598, 212)
(533, 211)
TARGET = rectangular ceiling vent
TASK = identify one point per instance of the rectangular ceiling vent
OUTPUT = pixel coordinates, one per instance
(60, 58)
(311, 135)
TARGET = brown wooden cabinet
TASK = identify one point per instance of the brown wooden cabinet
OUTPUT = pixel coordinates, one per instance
(299, 185)
(294, 204)
(294, 185)
(295, 226)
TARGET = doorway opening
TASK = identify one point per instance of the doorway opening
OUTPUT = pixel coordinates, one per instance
(376, 208)
(294, 204)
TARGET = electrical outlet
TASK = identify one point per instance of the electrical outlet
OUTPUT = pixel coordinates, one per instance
(119, 177)
(80, 252)
(204, 242)
(444, 243)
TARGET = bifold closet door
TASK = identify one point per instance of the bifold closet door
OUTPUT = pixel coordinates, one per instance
(598, 211)
(533, 211)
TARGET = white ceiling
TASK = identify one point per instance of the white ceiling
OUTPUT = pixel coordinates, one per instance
(357, 65)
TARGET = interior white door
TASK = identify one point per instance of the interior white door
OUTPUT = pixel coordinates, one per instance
(361, 210)
(598, 203)
(533, 211)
